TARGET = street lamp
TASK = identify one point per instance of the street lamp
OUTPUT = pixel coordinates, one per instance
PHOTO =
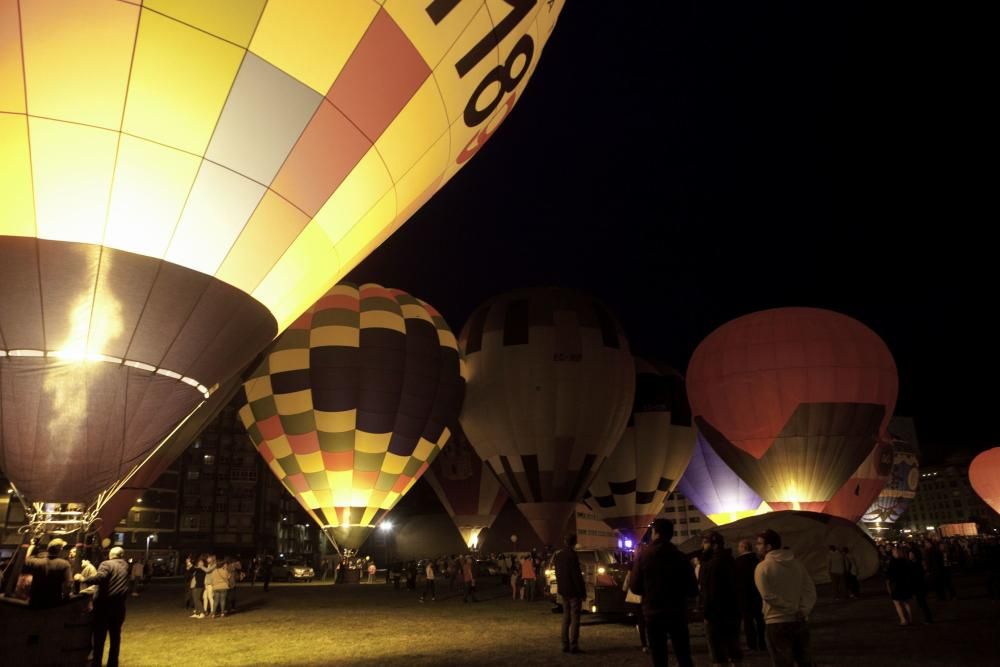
(386, 528)
(151, 537)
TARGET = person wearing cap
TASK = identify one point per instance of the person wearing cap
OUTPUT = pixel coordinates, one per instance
(51, 575)
(109, 605)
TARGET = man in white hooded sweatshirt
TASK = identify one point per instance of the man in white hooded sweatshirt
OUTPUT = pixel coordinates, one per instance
(789, 595)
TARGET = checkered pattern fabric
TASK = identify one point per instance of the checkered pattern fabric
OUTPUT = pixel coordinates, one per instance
(352, 403)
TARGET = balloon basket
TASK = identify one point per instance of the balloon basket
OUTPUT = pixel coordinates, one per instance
(53, 636)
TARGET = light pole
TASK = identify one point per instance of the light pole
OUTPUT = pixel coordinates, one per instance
(151, 537)
(386, 528)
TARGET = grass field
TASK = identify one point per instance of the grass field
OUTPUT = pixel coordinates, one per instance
(321, 624)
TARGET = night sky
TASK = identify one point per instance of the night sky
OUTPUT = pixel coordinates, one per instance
(692, 164)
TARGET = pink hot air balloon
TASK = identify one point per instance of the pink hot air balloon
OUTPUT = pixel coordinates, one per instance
(984, 475)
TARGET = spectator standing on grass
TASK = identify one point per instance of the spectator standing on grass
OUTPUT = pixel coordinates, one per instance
(429, 582)
(850, 574)
(528, 578)
(751, 606)
(371, 572)
(221, 580)
(835, 566)
(468, 577)
(789, 596)
(720, 601)
(665, 580)
(209, 595)
(515, 580)
(919, 583)
(112, 579)
(572, 591)
(900, 582)
(195, 578)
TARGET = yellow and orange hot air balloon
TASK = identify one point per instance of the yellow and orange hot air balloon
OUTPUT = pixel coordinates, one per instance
(352, 404)
(181, 179)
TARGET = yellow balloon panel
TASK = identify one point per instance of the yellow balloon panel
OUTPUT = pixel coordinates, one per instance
(245, 140)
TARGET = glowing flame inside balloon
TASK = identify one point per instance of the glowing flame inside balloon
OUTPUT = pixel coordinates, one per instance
(89, 332)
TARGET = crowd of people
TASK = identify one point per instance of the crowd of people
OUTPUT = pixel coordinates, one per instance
(210, 586)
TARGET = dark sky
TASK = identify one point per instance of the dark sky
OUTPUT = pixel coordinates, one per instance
(692, 162)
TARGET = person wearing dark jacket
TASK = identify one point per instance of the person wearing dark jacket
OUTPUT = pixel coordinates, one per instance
(751, 605)
(665, 580)
(195, 574)
(109, 604)
(572, 590)
(51, 575)
(719, 600)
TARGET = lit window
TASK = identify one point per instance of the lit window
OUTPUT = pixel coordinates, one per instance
(209, 459)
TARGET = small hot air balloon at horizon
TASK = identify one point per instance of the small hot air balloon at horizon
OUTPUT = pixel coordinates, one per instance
(629, 490)
(793, 400)
(718, 492)
(180, 182)
(984, 476)
(351, 405)
(467, 488)
(550, 388)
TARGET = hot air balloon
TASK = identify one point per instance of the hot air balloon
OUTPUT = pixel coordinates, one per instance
(853, 499)
(984, 476)
(467, 488)
(651, 456)
(904, 476)
(716, 490)
(180, 182)
(551, 382)
(793, 400)
(351, 405)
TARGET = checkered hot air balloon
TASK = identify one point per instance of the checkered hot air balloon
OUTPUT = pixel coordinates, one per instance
(351, 405)
(793, 400)
(182, 178)
(551, 382)
(651, 456)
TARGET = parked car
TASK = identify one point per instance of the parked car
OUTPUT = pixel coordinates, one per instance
(291, 571)
(604, 578)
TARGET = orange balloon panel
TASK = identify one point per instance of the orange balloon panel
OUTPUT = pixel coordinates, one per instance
(984, 476)
(857, 494)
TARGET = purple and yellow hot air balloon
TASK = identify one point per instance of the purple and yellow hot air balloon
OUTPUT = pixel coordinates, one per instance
(716, 490)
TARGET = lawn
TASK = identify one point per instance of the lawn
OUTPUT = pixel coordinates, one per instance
(322, 624)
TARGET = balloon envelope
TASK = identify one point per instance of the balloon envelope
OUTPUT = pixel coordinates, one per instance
(793, 400)
(853, 499)
(715, 489)
(651, 456)
(351, 404)
(467, 488)
(808, 535)
(904, 475)
(551, 382)
(180, 183)
(984, 476)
